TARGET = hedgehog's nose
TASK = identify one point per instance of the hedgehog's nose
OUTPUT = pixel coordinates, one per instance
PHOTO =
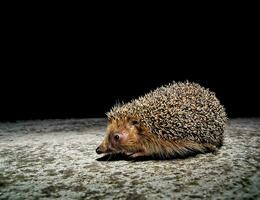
(98, 151)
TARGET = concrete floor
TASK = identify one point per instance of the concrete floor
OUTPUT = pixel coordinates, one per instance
(56, 159)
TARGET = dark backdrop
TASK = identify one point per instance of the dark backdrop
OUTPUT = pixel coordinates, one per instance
(43, 92)
(62, 69)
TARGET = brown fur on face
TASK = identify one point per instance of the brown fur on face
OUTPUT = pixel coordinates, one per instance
(129, 139)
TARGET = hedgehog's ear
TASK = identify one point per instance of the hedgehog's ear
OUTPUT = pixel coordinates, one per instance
(135, 123)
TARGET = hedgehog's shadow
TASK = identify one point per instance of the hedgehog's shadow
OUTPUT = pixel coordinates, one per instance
(119, 156)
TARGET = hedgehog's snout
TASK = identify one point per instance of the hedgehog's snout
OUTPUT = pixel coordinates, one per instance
(102, 148)
(98, 150)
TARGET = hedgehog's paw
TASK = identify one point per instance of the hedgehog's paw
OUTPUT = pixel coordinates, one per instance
(138, 154)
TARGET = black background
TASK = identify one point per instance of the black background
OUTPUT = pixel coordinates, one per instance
(63, 68)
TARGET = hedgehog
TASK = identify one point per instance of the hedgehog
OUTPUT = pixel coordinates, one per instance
(178, 119)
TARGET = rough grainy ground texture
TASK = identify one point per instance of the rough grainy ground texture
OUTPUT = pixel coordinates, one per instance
(56, 159)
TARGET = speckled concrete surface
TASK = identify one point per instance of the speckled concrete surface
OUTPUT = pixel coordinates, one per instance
(56, 159)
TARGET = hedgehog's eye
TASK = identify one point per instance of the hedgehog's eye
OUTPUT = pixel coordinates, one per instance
(116, 137)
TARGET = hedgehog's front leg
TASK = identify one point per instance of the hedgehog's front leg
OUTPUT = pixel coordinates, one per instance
(139, 154)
